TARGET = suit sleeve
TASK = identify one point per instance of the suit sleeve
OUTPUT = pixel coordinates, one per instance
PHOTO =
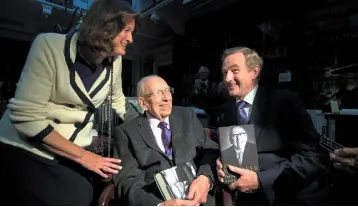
(130, 183)
(305, 163)
(28, 109)
(209, 150)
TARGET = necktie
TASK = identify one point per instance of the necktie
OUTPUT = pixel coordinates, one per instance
(166, 138)
(239, 155)
(242, 117)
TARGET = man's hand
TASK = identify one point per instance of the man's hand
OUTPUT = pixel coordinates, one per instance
(179, 202)
(219, 171)
(247, 182)
(345, 159)
(199, 189)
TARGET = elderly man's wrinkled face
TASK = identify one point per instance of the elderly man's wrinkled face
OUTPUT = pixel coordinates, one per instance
(157, 98)
(239, 137)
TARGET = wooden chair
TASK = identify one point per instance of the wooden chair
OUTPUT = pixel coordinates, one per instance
(107, 196)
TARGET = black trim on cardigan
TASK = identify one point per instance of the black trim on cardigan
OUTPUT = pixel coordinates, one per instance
(75, 87)
(79, 126)
(42, 134)
(70, 64)
(100, 86)
(90, 106)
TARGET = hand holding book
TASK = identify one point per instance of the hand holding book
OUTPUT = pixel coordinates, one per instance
(178, 202)
(179, 185)
(199, 188)
(345, 159)
(247, 181)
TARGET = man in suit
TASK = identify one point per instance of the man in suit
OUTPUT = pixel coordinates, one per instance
(241, 152)
(163, 137)
(286, 139)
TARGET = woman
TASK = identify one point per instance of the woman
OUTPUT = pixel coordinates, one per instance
(48, 124)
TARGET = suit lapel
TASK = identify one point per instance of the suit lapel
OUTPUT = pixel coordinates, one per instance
(259, 104)
(147, 134)
(177, 138)
(230, 115)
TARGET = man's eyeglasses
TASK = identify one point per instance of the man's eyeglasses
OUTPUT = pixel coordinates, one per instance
(160, 93)
(239, 134)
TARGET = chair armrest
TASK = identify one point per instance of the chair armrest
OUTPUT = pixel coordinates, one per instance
(227, 198)
(107, 195)
(208, 132)
(212, 134)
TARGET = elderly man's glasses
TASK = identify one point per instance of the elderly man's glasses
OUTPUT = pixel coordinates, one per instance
(239, 134)
(160, 93)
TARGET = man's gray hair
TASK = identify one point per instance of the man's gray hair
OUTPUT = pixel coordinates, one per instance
(252, 58)
(140, 84)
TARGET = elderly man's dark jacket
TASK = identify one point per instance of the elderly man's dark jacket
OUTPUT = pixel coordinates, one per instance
(141, 157)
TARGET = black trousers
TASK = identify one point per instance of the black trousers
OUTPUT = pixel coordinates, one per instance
(29, 179)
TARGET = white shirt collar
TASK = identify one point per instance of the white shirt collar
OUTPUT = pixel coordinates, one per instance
(154, 122)
(250, 97)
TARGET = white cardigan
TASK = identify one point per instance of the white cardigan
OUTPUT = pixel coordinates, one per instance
(51, 96)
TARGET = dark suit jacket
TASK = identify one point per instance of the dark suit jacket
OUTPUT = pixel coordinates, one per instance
(141, 157)
(249, 157)
(292, 170)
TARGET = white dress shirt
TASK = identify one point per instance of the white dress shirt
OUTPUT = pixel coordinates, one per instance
(249, 99)
(157, 132)
(154, 122)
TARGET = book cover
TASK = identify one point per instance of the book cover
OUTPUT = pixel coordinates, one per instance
(238, 148)
(174, 183)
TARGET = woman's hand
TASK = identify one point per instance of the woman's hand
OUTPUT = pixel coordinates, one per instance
(100, 165)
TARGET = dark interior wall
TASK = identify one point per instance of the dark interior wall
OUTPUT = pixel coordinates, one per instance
(307, 36)
(13, 58)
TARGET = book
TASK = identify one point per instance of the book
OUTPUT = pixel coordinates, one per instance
(237, 148)
(174, 183)
(329, 144)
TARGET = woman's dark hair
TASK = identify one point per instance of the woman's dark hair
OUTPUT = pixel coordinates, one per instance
(104, 20)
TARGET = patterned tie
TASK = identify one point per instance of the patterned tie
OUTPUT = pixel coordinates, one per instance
(166, 138)
(242, 117)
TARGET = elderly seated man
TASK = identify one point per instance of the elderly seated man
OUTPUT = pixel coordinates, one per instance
(163, 137)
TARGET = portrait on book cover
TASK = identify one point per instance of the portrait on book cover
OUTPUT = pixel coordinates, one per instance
(179, 179)
(238, 146)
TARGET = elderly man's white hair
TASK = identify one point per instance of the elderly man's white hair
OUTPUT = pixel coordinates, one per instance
(140, 84)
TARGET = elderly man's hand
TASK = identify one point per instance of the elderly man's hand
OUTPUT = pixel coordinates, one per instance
(178, 202)
(345, 159)
(199, 189)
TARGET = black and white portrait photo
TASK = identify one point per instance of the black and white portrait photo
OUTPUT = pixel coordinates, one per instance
(238, 146)
(178, 179)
